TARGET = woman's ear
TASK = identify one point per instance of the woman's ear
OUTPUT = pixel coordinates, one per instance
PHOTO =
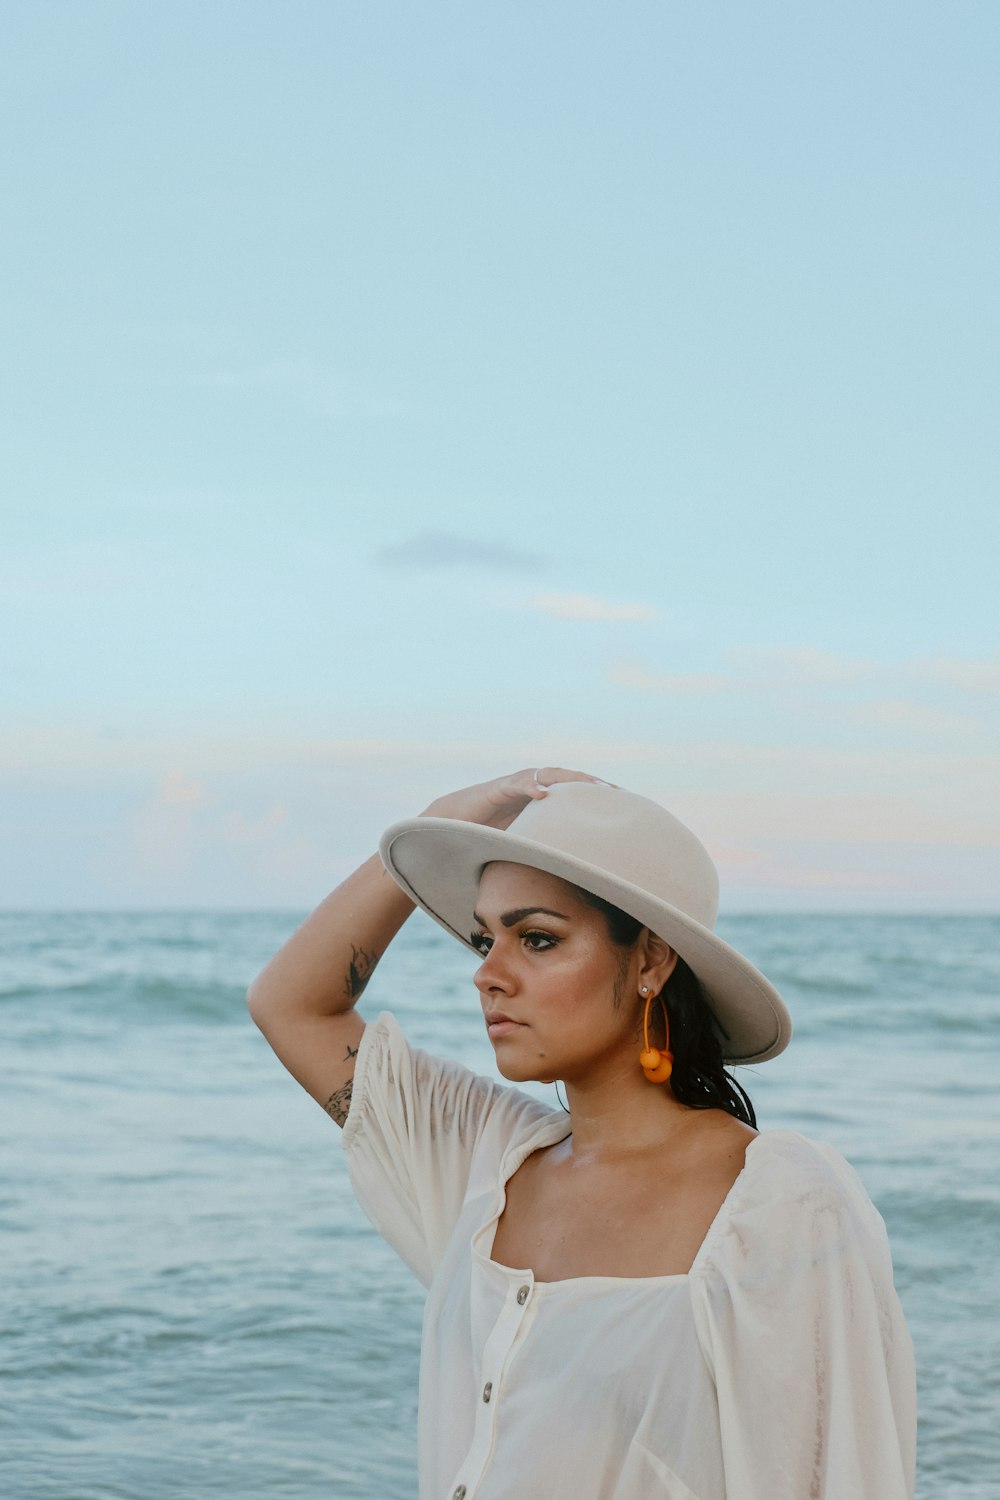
(659, 961)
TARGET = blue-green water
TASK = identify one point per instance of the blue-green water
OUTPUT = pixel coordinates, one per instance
(191, 1303)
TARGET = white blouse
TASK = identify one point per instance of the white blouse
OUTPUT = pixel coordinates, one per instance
(778, 1368)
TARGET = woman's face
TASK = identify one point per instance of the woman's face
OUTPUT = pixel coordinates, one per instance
(550, 968)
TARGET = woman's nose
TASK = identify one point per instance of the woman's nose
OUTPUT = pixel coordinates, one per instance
(491, 974)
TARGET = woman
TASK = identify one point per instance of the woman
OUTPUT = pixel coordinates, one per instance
(642, 1296)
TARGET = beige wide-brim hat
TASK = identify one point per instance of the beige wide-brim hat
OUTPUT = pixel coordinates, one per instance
(619, 846)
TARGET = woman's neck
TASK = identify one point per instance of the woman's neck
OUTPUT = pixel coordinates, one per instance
(621, 1115)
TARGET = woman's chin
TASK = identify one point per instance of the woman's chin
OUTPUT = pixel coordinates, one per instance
(518, 1071)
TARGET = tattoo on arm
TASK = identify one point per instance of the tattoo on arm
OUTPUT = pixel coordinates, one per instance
(359, 971)
(351, 1052)
(339, 1103)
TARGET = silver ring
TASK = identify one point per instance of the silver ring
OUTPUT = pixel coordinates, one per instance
(536, 780)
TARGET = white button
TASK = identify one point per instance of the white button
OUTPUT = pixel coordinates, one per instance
(522, 1295)
(487, 1390)
(459, 1493)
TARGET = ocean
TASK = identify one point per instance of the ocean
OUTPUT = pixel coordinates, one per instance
(192, 1304)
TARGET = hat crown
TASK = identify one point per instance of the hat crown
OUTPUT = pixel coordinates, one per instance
(631, 838)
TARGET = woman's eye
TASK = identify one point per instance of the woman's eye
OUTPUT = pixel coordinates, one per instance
(540, 941)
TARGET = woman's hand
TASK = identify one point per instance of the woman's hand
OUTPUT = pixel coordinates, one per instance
(497, 803)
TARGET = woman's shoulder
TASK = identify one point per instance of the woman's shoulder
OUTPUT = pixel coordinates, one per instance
(793, 1168)
(793, 1193)
(776, 1157)
(792, 1151)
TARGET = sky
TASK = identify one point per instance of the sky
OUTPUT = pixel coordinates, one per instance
(395, 396)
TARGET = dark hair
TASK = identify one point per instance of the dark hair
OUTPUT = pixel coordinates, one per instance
(699, 1078)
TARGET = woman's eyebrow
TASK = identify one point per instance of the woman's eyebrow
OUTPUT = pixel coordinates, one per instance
(510, 918)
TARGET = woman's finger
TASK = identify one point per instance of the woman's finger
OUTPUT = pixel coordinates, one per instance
(548, 775)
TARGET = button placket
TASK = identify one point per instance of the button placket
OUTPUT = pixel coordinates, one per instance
(513, 1316)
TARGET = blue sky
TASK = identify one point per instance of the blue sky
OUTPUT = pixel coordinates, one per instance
(396, 395)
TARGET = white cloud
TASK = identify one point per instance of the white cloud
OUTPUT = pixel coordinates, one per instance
(640, 679)
(270, 373)
(902, 713)
(803, 664)
(587, 607)
(778, 672)
(973, 676)
(758, 816)
(751, 669)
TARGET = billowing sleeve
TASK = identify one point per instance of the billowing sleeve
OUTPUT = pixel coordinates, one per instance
(804, 1334)
(414, 1125)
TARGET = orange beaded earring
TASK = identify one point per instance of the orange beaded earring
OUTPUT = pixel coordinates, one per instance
(656, 1065)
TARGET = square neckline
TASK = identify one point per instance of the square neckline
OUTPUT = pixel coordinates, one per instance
(525, 1273)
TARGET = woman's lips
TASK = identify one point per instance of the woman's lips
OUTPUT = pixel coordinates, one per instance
(502, 1028)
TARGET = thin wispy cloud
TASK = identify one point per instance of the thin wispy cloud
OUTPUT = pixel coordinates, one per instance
(803, 664)
(588, 607)
(427, 551)
(750, 669)
(903, 713)
(761, 670)
(754, 815)
(972, 676)
(276, 372)
(640, 679)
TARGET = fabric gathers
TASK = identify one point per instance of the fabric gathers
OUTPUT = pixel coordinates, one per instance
(778, 1368)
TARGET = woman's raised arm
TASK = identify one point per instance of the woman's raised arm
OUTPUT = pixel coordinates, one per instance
(304, 999)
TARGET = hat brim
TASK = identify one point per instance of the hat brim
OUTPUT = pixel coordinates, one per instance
(437, 862)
